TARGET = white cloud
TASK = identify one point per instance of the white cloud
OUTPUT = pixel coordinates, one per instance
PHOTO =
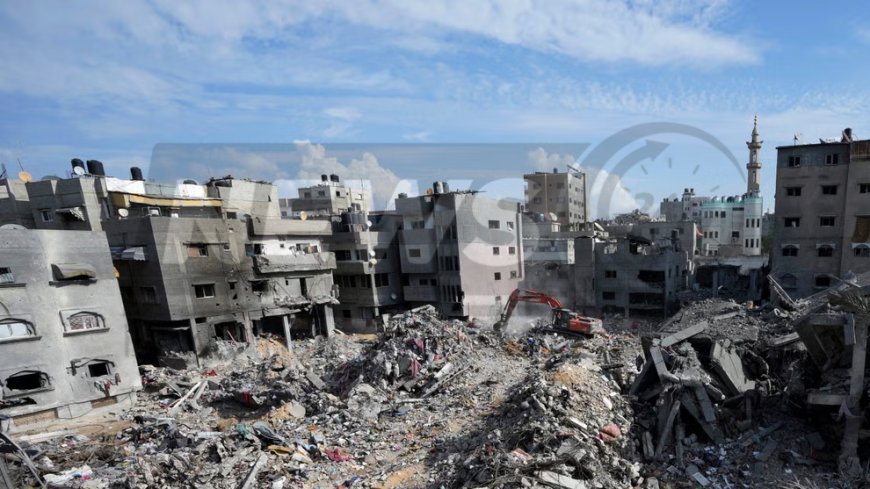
(342, 121)
(601, 202)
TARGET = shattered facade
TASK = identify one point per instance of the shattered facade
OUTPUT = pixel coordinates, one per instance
(822, 230)
(630, 275)
(64, 344)
(368, 270)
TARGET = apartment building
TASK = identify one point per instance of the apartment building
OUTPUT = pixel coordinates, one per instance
(685, 208)
(822, 225)
(633, 274)
(368, 269)
(329, 198)
(65, 348)
(459, 251)
(557, 197)
(198, 263)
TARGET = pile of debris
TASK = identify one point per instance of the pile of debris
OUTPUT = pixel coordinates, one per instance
(561, 426)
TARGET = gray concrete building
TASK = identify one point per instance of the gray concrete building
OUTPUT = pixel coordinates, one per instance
(631, 275)
(460, 251)
(368, 269)
(329, 198)
(65, 348)
(557, 197)
(822, 219)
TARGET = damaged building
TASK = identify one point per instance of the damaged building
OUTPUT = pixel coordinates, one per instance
(822, 230)
(65, 348)
(198, 263)
(368, 270)
(632, 274)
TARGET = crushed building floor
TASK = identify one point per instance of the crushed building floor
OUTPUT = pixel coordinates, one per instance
(719, 395)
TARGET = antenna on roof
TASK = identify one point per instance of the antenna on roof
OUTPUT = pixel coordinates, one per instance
(797, 138)
(3, 173)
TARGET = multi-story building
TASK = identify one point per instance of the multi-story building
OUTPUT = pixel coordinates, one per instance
(459, 251)
(687, 208)
(729, 225)
(631, 275)
(65, 348)
(329, 198)
(198, 263)
(822, 229)
(557, 197)
(368, 270)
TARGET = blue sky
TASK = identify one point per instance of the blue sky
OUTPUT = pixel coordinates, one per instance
(110, 80)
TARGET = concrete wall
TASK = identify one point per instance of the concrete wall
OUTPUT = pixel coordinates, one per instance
(563, 194)
(56, 348)
(798, 273)
(86, 193)
(15, 204)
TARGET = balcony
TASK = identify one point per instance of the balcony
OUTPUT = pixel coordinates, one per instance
(294, 263)
(416, 293)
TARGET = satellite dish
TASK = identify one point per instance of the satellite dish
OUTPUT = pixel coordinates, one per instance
(373, 262)
(372, 253)
(25, 176)
(123, 212)
(303, 215)
(11, 226)
(78, 170)
(394, 296)
(368, 224)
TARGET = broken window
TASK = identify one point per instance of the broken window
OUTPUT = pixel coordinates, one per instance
(197, 249)
(148, 295)
(82, 321)
(46, 215)
(792, 222)
(864, 188)
(495, 250)
(789, 250)
(610, 274)
(794, 161)
(829, 190)
(823, 281)
(510, 225)
(259, 286)
(494, 225)
(68, 272)
(862, 251)
(827, 221)
(203, 291)
(99, 368)
(788, 281)
(14, 328)
(825, 250)
(651, 276)
(342, 255)
(6, 276)
(793, 191)
(832, 159)
(26, 381)
(862, 229)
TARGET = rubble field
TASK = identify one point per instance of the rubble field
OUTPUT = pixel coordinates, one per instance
(719, 395)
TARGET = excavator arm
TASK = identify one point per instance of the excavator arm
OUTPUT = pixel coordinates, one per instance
(531, 296)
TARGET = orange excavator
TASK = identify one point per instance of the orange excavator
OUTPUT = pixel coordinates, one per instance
(564, 321)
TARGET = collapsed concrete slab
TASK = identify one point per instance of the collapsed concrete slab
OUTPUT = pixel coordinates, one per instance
(728, 366)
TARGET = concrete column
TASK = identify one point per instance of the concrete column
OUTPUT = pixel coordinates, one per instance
(328, 323)
(195, 337)
(249, 329)
(287, 337)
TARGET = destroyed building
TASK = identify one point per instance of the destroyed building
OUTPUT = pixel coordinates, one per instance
(328, 198)
(631, 275)
(558, 197)
(822, 230)
(460, 251)
(197, 263)
(368, 270)
(64, 344)
(685, 208)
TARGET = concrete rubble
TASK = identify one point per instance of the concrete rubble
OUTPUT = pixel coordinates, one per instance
(721, 395)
